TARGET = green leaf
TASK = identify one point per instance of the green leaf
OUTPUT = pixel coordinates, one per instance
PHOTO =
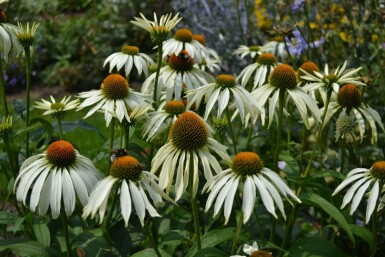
(69, 126)
(150, 253)
(210, 252)
(366, 235)
(22, 247)
(314, 247)
(291, 167)
(212, 238)
(319, 202)
(42, 234)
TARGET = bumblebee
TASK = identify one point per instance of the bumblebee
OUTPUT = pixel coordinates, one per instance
(116, 153)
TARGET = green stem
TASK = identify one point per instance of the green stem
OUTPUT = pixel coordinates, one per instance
(112, 208)
(279, 129)
(289, 226)
(28, 89)
(273, 228)
(343, 154)
(194, 204)
(288, 52)
(237, 233)
(159, 65)
(59, 125)
(13, 163)
(319, 133)
(65, 229)
(126, 135)
(151, 238)
(112, 134)
(2, 89)
(251, 130)
(258, 223)
(231, 130)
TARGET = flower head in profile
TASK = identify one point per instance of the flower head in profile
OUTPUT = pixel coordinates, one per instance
(190, 144)
(178, 72)
(222, 91)
(128, 175)
(162, 119)
(349, 101)
(57, 109)
(243, 51)
(210, 58)
(129, 57)
(159, 30)
(253, 251)
(360, 180)
(26, 34)
(331, 81)
(115, 98)
(284, 78)
(184, 40)
(259, 71)
(5, 126)
(247, 168)
(55, 179)
(8, 39)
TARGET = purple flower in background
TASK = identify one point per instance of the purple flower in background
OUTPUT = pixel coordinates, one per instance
(297, 5)
(298, 44)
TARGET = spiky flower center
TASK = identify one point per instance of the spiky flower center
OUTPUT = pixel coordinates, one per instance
(329, 80)
(130, 50)
(159, 34)
(260, 253)
(57, 106)
(3, 17)
(175, 107)
(283, 76)
(26, 39)
(183, 35)
(345, 125)
(189, 132)
(378, 170)
(309, 67)
(247, 163)
(61, 153)
(254, 49)
(126, 167)
(200, 38)
(115, 86)
(349, 96)
(6, 126)
(266, 59)
(182, 62)
(225, 80)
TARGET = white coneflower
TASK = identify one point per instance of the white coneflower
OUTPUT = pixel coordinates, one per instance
(180, 71)
(222, 91)
(183, 40)
(162, 119)
(159, 30)
(253, 251)
(57, 109)
(129, 57)
(349, 101)
(126, 173)
(54, 178)
(190, 144)
(362, 179)
(8, 38)
(283, 77)
(331, 80)
(247, 169)
(26, 34)
(115, 98)
(210, 58)
(261, 69)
